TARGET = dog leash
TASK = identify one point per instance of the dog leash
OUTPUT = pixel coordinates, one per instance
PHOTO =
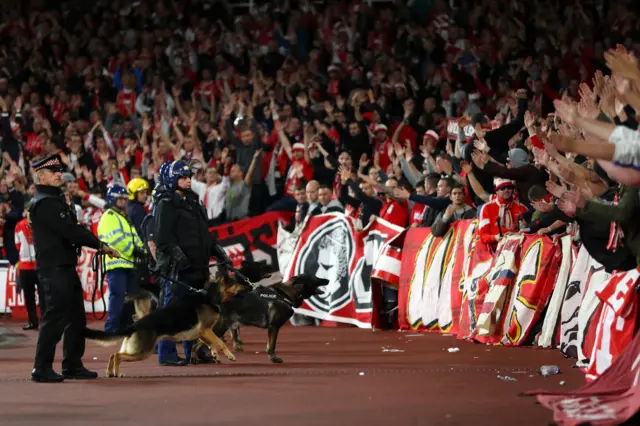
(99, 268)
(227, 264)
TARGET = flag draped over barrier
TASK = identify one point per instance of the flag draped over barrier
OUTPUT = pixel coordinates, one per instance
(530, 290)
(330, 247)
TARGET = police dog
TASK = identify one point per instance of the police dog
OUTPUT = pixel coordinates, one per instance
(265, 307)
(143, 301)
(186, 318)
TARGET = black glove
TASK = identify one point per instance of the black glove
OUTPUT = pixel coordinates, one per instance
(220, 254)
(179, 259)
(139, 255)
(163, 264)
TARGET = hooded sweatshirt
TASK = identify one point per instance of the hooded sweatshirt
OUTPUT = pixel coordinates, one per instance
(526, 175)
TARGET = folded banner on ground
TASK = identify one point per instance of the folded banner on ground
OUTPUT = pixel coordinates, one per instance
(330, 247)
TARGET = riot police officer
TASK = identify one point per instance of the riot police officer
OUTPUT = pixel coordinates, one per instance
(183, 245)
(57, 238)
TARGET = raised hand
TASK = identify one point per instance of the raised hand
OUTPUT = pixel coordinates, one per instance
(479, 158)
(555, 189)
(622, 64)
(529, 120)
(364, 161)
(401, 193)
(542, 206)
(566, 109)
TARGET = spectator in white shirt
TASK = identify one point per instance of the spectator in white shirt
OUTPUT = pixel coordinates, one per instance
(212, 194)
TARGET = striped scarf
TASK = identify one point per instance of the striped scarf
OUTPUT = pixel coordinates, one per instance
(615, 231)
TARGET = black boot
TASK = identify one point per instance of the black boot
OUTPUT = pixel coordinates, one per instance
(31, 326)
(80, 373)
(46, 376)
(177, 362)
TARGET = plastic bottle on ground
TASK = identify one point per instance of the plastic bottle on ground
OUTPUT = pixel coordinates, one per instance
(549, 370)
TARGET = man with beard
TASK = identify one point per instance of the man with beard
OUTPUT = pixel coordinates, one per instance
(455, 211)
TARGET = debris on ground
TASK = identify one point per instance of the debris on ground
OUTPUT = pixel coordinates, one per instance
(507, 379)
(451, 350)
(392, 350)
(562, 383)
(549, 370)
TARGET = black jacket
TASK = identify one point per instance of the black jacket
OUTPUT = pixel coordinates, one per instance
(181, 230)
(440, 226)
(57, 235)
(136, 214)
(366, 205)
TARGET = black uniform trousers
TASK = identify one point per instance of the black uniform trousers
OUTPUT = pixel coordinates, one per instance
(65, 315)
(28, 279)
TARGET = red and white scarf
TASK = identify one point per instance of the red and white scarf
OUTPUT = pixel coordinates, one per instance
(615, 231)
(507, 222)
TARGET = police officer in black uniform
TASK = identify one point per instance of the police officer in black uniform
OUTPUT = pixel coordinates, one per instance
(183, 244)
(57, 238)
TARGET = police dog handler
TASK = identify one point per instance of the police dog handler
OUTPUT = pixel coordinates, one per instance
(58, 238)
(183, 247)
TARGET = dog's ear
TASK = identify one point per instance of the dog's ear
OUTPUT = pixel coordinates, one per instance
(293, 280)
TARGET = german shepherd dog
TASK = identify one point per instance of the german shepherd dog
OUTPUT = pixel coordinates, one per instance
(144, 301)
(186, 318)
(265, 307)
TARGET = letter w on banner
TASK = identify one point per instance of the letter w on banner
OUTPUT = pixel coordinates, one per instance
(330, 247)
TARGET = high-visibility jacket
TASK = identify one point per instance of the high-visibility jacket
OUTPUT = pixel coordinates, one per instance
(115, 230)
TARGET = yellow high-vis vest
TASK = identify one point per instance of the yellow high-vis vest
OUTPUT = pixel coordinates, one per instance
(115, 230)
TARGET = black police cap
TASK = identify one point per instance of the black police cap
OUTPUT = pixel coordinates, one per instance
(52, 162)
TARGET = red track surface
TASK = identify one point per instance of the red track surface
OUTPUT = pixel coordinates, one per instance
(330, 377)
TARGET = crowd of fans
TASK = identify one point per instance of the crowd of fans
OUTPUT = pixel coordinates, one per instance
(520, 113)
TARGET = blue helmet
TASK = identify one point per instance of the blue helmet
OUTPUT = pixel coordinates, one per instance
(175, 171)
(115, 192)
(159, 192)
(163, 171)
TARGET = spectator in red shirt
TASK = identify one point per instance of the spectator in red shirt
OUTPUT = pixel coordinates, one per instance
(26, 272)
(500, 216)
(394, 210)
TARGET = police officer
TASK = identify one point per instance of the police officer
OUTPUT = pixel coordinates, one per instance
(115, 230)
(57, 238)
(148, 223)
(138, 189)
(183, 245)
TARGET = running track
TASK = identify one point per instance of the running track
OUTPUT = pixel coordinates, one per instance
(331, 377)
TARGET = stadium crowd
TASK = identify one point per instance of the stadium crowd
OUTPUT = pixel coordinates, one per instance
(521, 113)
